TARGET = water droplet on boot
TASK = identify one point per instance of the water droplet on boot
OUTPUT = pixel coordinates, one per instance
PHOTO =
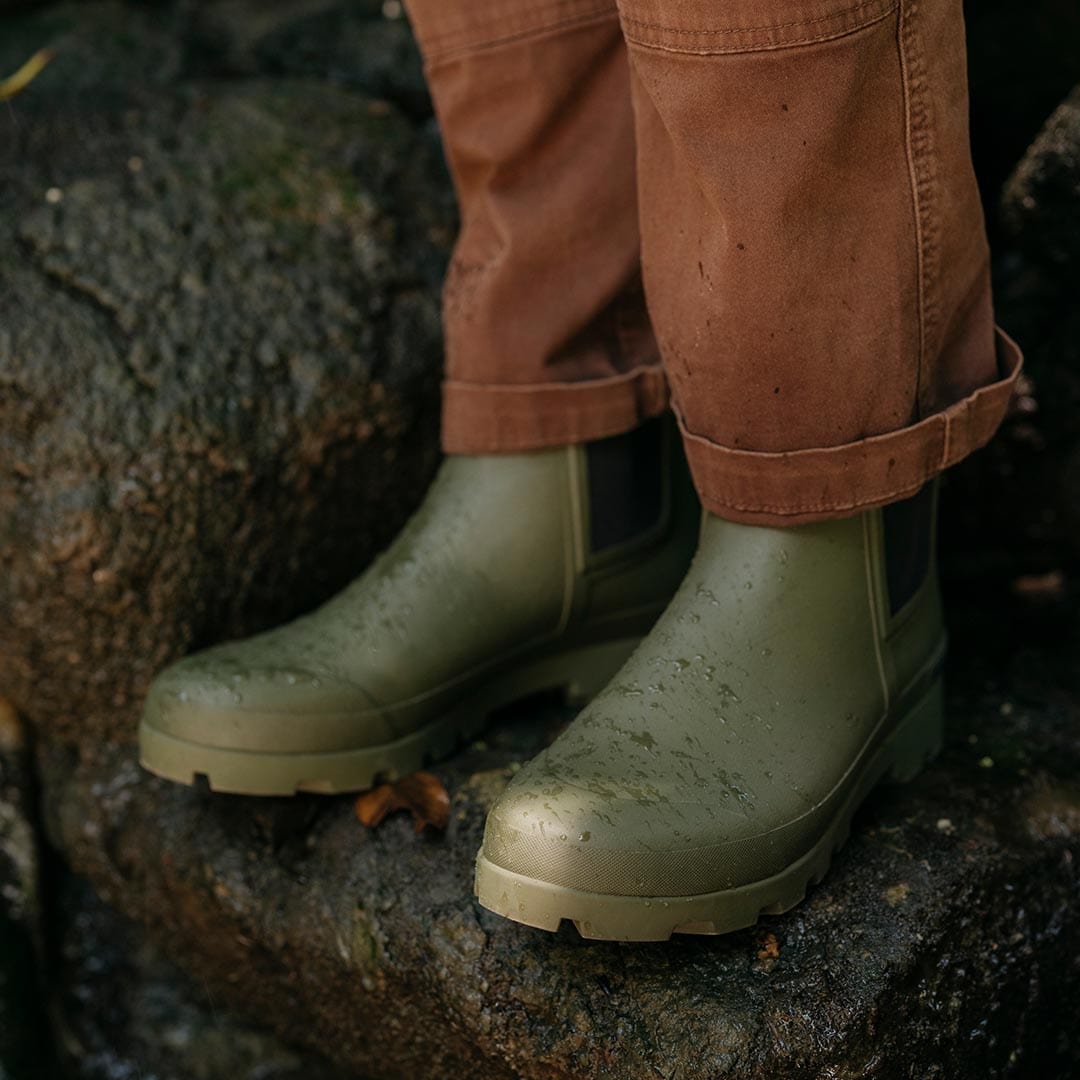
(708, 595)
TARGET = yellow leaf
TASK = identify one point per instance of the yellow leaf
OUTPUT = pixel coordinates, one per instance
(25, 75)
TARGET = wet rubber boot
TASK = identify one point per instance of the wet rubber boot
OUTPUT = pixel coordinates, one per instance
(520, 572)
(713, 778)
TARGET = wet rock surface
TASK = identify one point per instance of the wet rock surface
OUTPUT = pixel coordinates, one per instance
(239, 280)
(24, 1042)
(943, 942)
(1021, 63)
(1020, 500)
(125, 1011)
(224, 226)
(1042, 199)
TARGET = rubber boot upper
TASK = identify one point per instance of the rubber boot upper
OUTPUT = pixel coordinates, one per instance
(730, 739)
(493, 568)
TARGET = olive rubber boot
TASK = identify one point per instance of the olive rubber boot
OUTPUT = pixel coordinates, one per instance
(519, 572)
(713, 778)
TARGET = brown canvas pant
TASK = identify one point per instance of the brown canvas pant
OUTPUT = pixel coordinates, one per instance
(787, 182)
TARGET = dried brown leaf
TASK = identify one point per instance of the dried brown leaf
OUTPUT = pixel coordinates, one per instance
(422, 794)
(768, 947)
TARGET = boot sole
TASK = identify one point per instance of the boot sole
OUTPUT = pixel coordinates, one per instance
(916, 740)
(581, 672)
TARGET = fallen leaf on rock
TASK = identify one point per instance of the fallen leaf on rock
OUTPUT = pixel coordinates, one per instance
(422, 794)
(768, 947)
(25, 75)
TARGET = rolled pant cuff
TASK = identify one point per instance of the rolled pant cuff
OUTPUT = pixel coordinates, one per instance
(488, 418)
(803, 486)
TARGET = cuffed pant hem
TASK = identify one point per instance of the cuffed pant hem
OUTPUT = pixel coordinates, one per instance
(485, 418)
(803, 486)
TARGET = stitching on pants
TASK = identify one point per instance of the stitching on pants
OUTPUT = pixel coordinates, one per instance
(913, 185)
(516, 12)
(435, 51)
(808, 508)
(921, 163)
(756, 29)
(642, 371)
(629, 402)
(766, 46)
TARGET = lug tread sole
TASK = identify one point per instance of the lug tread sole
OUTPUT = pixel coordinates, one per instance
(580, 673)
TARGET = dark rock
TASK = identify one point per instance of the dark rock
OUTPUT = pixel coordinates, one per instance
(128, 1012)
(943, 942)
(1042, 199)
(1021, 63)
(1037, 276)
(1012, 509)
(219, 356)
(349, 44)
(24, 1046)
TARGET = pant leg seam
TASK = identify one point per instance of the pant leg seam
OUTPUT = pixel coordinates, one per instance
(762, 46)
(598, 382)
(794, 509)
(755, 29)
(919, 144)
(436, 52)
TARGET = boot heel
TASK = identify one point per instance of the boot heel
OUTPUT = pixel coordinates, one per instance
(920, 735)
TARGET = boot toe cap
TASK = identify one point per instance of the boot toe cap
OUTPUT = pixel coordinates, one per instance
(600, 837)
(598, 831)
(217, 699)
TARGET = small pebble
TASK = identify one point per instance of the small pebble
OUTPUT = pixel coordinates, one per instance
(986, 762)
(54, 195)
(946, 826)
(897, 894)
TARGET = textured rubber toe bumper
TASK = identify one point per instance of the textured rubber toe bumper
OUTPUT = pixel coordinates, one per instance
(544, 905)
